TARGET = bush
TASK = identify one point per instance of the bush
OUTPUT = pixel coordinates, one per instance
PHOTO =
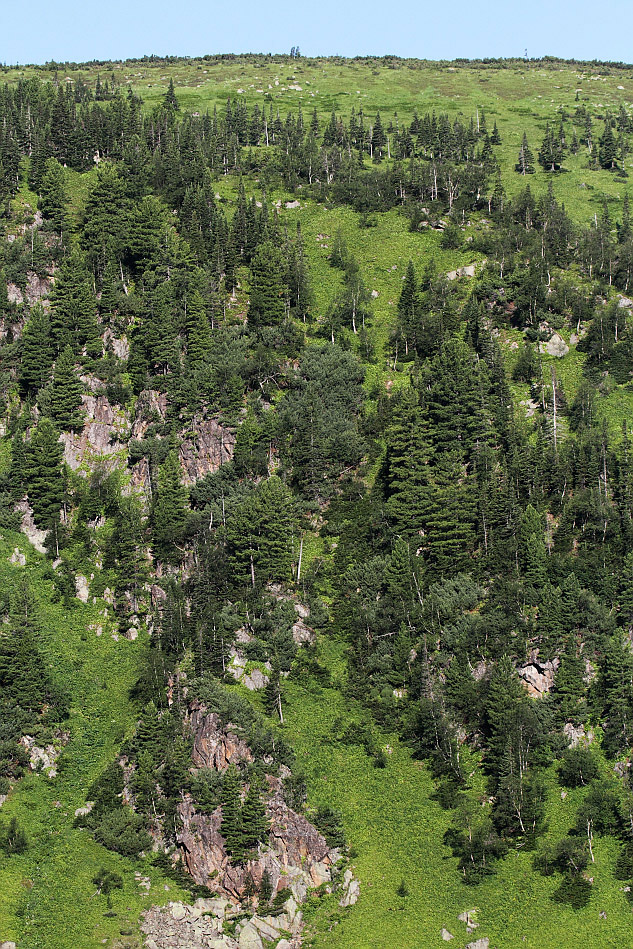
(578, 767)
(123, 832)
(12, 838)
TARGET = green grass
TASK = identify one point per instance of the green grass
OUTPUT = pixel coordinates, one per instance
(396, 831)
(47, 898)
(519, 97)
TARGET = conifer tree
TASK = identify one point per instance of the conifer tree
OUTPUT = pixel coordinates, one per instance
(253, 815)
(407, 469)
(525, 164)
(73, 314)
(259, 534)
(266, 306)
(608, 149)
(169, 511)
(550, 154)
(66, 393)
(231, 825)
(198, 331)
(45, 484)
(37, 352)
(54, 195)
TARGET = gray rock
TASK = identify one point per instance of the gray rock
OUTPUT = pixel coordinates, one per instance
(7, 945)
(85, 810)
(351, 894)
(34, 534)
(255, 680)
(267, 930)
(446, 936)
(18, 557)
(81, 586)
(178, 911)
(249, 938)
(479, 944)
(292, 204)
(555, 346)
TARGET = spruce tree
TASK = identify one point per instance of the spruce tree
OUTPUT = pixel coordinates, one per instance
(169, 511)
(54, 195)
(550, 155)
(66, 393)
(525, 164)
(198, 331)
(37, 352)
(231, 825)
(407, 471)
(267, 306)
(608, 149)
(45, 484)
(253, 816)
(74, 307)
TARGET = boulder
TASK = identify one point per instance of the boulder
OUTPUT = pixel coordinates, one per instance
(18, 557)
(479, 944)
(469, 917)
(255, 680)
(446, 936)
(249, 938)
(555, 346)
(266, 929)
(81, 587)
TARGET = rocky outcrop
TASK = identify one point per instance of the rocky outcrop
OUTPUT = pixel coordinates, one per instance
(538, 675)
(44, 758)
(29, 528)
(213, 746)
(201, 926)
(468, 271)
(203, 448)
(295, 855)
(351, 890)
(18, 557)
(103, 426)
(577, 735)
(206, 450)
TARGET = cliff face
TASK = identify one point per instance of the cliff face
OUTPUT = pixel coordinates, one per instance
(295, 855)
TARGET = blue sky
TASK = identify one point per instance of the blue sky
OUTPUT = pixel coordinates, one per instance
(67, 30)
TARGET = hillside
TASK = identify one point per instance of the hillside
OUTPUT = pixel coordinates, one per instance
(316, 504)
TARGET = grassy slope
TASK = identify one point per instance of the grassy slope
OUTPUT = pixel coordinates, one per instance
(396, 829)
(47, 898)
(519, 98)
(389, 817)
